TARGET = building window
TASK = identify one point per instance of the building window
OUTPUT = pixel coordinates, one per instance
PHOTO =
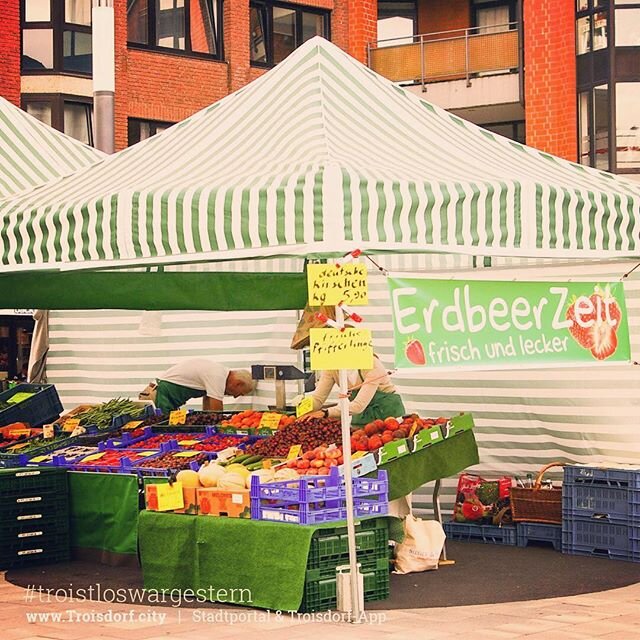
(191, 26)
(142, 129)
(593, 123)
(397, 22)
(627, 127)
(56, 36)
(72, 115)
(628, 25)
(277, 29)
(491, 16)
(512, 130)
(592, 25)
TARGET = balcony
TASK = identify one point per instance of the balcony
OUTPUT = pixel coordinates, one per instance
(447, 55)
(461, 70)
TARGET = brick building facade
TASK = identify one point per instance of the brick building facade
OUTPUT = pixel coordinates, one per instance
(514, 66)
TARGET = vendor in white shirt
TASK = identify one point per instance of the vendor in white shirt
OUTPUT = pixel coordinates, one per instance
(372, 395)
(198, 378)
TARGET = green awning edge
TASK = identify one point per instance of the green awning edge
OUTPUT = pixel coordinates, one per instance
(154, 291)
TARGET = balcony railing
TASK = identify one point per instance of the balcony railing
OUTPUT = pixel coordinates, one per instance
(447, 55)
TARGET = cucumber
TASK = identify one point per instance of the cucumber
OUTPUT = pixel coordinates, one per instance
(255, 466)
(241, 459)
(252, 459)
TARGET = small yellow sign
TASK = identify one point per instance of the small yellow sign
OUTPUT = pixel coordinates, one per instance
(132, 425)
(178, 417)
(145, 454)
(170, 496)
(294, 452)
(17, 447)
(335, 349)
(93, 456)
(330, 284)
(304, 406)
(270, 420)
(186, 454)
(71, 424)
(39, 459)
(358, 454)
(187, 443)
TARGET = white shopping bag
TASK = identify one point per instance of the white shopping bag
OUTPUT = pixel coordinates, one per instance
(422, 545)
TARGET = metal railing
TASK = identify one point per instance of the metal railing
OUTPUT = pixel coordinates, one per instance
(447, 55)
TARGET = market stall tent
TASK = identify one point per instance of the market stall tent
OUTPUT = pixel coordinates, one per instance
(315, 158)
(33, 154)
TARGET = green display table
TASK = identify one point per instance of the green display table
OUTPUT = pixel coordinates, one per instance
(226, 560)
(104, 517)
(440, 460)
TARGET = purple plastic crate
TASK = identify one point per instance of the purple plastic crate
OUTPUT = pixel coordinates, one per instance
(64, 457)
(148, 441)
(316, 499)
(307, 489)
(124, 465)
(193, 464)
(622, 478)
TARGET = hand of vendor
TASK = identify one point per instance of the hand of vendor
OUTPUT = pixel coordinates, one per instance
(321, 413)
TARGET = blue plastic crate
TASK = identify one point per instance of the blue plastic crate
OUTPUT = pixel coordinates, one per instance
(13, 460)
(597, 500)
(42, 407)
(534, 531)
(596, 476)
(485, 533)
(584, 536)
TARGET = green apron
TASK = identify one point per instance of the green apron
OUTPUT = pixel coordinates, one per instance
(170, 396)
(383, 405)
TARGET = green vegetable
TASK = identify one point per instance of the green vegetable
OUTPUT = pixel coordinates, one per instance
(251, 460)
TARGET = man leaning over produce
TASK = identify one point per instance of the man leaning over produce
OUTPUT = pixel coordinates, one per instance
(197, 378)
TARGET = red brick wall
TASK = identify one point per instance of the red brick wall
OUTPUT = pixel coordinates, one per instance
(10, 50)
(443, 15)
(550, 76)
(362, 27)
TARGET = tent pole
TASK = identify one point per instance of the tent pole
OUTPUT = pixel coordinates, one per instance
(345, 419)
(103, 57)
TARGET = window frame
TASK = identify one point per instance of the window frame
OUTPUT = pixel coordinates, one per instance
(153, 124)
(57, 102)
(187, 51)
(58, 25)
(477, 5)
(266, 7)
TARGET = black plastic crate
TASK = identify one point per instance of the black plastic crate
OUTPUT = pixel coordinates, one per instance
(36, 507)
(320, 594)
(330, 547)
(485, 533)
(31, 481)
(537, 532)
(13, 530)
(42, 407)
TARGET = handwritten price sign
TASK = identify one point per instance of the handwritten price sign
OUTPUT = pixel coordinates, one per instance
(329, 284)
(348, 349)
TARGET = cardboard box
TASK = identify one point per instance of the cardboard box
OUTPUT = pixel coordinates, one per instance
(233, 503)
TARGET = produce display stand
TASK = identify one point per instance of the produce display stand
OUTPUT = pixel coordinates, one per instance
(233, 560)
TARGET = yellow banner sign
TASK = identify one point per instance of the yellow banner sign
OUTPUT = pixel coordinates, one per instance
(170, 496)
(294, 452)
(331, 284)
(178, 417)
(270, 420)
(71, 424)
(335, 349)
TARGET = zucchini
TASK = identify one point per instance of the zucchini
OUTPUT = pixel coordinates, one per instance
(255, 466)
(241, 459)
(251, 459)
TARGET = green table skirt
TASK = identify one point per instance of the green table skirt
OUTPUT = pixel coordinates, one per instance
(440, 460)
(226, 560)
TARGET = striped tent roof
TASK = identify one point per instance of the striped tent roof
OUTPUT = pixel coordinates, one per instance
(33, 154)
(320, 155)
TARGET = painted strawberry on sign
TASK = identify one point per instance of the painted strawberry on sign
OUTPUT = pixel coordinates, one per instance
(414, 351)
(595, 321)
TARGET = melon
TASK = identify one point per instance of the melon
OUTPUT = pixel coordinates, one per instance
(188, 478)
(265, 475)
(210, 473)
(231, 481)
(238, 468)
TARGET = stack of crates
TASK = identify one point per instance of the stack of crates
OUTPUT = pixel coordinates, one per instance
(34, 516)
(330, 549)
(601, 512)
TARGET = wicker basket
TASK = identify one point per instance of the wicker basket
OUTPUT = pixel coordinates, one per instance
(537, 504)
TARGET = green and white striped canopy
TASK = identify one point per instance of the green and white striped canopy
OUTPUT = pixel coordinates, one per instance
(320, 155)
(33, 154)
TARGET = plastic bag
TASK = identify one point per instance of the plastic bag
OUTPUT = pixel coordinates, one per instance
(422, 545)
(482, 501)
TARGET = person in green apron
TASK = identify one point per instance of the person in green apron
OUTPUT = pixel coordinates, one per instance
(372, 395)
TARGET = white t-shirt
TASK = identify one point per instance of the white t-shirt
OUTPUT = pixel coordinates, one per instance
(199, 373)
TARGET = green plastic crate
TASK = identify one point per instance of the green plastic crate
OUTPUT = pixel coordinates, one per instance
(13, 530)
(30, 481)
(330, 547)
(41, 550)
(35, 508)
(321, 594)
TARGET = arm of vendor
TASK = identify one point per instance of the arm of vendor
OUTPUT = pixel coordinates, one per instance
(198, 378)
(363, 386)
